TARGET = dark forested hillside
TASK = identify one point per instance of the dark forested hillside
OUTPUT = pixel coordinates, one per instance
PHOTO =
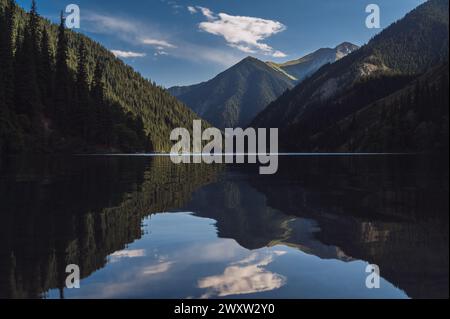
(388, 63)
(413, 118)
(61, 91)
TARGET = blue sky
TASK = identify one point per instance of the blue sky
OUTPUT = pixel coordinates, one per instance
(180, 42)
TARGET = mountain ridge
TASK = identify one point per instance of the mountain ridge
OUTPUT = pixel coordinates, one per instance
(220, 100)
(409, 47)
(235, 96)
(310, 63)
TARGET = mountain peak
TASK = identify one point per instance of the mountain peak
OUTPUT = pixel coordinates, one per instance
(303, 67)
(235, 96)
(250, 59)
(344, 49)
(346, 45)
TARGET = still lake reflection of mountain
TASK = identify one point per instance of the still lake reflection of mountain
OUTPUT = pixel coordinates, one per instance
(141, 227)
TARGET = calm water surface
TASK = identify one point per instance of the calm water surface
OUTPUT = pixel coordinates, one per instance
(141, 227)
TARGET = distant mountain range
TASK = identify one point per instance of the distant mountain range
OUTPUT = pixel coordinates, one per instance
(237, 95)
(390, 95)
(299, 69)
(70, 94)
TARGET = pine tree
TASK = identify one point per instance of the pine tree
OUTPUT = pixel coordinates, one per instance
(82, 115)
(2, 53)
(98, 87)
(4, 118)
(104, 124)
(6, 55)
(46, 75)
(27, 95)
(34, 28)
(62, 96)
(11, 139)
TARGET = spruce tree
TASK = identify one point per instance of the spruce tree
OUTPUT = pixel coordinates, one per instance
(82, 117)
(98, 87)
(103, 123)
(6, 55)
(34, 28)
(3, 111)
(46, 75)
(28, 100)
(62, 91)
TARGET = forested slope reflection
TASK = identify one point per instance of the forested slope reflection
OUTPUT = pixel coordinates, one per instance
(56, 212)
(389, 211)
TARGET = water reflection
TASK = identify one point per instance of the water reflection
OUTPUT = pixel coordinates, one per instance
(306, 232)
(196, 263)
(247, 276)
(62, 211)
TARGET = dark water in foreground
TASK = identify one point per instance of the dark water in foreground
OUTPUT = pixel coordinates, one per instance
(145, 228)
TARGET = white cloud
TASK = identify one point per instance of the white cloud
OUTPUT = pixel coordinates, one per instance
(205, 54)
(107, 24)
(244, 277)
(160, 46)
(127, 54)
(134, 253)
(157, 43)
(129, 253)
(132, 32)
(173, 4)
(207, 13)
(243, 48)
(243, 33)
(279, 54)
(192, 9)
(135, 32)
(158, 53)
(157, 269)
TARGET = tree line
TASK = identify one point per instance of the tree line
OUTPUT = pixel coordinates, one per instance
(413, 119)
(47, 106)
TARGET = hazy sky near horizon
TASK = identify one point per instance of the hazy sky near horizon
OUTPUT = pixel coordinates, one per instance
(180, 42)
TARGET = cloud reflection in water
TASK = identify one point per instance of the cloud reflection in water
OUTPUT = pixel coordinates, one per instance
(244, 277)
